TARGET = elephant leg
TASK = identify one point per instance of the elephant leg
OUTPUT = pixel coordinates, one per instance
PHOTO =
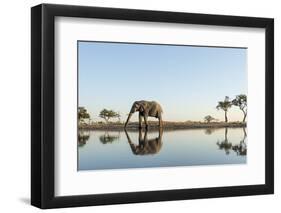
(140, 120)
(145, 137)
(160, 121)
(145, 121)
(160, 134)
(140, 136)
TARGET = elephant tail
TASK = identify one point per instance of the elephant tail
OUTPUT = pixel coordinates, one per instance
(157, 106)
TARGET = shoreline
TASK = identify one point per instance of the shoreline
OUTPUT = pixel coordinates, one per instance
(167, 125)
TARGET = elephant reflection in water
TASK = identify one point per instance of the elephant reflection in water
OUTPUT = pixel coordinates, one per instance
(83, 137)
(240, 149)
(146, 146)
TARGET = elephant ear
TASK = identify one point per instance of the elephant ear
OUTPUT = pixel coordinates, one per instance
(142, 107)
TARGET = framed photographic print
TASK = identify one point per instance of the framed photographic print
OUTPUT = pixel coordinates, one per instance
(139, 106)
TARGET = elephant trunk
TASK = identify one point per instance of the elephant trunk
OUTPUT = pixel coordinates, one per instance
(129, 116)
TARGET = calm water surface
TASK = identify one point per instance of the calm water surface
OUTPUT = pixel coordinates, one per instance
(142, 149)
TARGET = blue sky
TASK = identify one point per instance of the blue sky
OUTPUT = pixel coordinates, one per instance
(187, 81)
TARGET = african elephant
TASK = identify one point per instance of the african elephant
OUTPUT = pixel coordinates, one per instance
(146, 109)
(146, 146)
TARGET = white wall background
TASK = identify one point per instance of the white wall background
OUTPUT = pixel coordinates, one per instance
(15, 105)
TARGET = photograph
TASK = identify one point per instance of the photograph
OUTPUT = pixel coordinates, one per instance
(172, 105)
(147, 105)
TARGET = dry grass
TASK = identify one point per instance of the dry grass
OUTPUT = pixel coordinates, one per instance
(167, 125)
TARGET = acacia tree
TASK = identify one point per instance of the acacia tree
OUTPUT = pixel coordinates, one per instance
(83, 114)
(224, 105)
(209, 118)
(108, 114)
(119, 117)
(241, 102)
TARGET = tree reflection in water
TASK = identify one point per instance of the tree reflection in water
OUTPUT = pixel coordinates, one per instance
(146, 146)
(83, 137)
(240, 149)
(225, 145)
(107, 138)
(209, 131)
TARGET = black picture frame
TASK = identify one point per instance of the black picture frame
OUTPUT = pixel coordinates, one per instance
(43, 105)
